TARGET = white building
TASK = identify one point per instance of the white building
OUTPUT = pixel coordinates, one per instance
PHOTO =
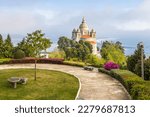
(44, 54)
(83, 33)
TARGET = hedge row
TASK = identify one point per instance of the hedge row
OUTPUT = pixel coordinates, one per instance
(32, 60)
(135, 85)
(4, 61)
(72, 63)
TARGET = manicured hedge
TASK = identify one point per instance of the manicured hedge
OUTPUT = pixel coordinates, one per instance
(104, 71)
(51, 60)
(72, 63)
(41, 60)
(135, 85)
(4, 61)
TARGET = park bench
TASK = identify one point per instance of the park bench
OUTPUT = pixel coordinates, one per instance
(89, 68)
(15, 80)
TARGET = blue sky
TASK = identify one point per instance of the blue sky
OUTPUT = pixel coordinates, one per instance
(127, 21)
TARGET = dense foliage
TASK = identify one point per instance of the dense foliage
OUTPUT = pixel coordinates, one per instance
(111, 51)
(19, 54)
(34, 43)
(95, 61)
(134, 59)
(5, 60)
(147, 69)
(57, 54)
(134, 63)
(74, 49)
(75, 63)
(6, 47)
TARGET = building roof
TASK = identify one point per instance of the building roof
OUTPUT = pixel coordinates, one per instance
(85, 36)
(92, 42)
(83, 25)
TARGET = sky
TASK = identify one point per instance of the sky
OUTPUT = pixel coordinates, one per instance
(127, 21)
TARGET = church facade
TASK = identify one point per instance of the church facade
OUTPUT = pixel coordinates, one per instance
(83, 33)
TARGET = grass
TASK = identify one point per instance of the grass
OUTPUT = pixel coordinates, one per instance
(50, 85)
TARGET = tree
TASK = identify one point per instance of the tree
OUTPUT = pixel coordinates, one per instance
(74, 49)
(34, 43)
(8, 47)
(134, 61)
(119, 45)
(1, 46)
(64, 42)
(112, 52)
(19, 54)
(147, 69)
(56, 53)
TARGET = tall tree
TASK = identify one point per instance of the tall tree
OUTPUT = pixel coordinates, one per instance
(64, 42)
(113, 52)
(8, 47)
(134, 61)
(119, 45)
(74, 49)
(34, 43)
(1, 46)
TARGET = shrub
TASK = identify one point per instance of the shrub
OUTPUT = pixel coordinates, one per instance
(141, 91)
(72, 63)
(111, 65)
(19, 54)
(95, 61)
(104, 71)
(5, 60)
(57, 54)
(53, 61)
(41, 60)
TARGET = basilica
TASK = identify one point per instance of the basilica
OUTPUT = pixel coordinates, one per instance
(83, 33)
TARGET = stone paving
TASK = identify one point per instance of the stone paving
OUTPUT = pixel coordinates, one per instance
(94, 85)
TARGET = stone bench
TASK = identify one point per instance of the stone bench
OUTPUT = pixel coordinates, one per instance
(23, 80)
(15, 80)
(89, 68)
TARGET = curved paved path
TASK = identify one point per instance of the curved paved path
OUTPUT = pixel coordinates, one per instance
(94, 85)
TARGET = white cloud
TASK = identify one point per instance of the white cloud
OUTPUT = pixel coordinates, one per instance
(137, 19)
(16, 21)
(134, 25)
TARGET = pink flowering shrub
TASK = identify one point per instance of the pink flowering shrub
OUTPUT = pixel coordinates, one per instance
(111, 65)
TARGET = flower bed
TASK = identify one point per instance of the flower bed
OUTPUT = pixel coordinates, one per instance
(111, 65)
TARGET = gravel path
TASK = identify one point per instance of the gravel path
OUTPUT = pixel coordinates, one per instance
(94, 85)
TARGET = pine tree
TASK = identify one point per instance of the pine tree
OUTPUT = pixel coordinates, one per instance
(8, 47)
(1, 46)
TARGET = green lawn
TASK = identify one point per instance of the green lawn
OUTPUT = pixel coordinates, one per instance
(50, 85)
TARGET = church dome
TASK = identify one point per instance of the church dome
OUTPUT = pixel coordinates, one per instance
(83, 26)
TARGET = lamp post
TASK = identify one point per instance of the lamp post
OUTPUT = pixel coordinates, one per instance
(142, 59)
